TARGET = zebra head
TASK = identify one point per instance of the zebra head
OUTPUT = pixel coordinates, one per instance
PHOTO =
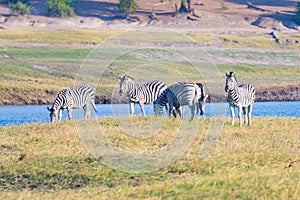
(53, 114)
(202, 102)
(157, 109)
(125, 81)
(231, 81)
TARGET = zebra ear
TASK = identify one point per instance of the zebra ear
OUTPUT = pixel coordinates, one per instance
(232, 74)
(226, 74)
(120, 77)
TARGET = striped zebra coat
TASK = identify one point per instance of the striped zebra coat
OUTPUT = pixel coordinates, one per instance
(242, 96)
(76, 97)
(141, 93)
(200, 106)
(177, 95)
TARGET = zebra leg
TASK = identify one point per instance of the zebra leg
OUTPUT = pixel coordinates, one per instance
(179, 111)
(249, 114)
(142, 108)
(240, 116)
(171, 109)
(192, 107)
(182, 111)
(70, 112)
(131, 107)
(245, 114)
(232, 114)
(87, 111)
(59, 115)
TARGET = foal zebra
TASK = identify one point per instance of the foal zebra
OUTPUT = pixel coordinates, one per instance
(242, 96)
(177, 95)
(76, 97)
(142, 93)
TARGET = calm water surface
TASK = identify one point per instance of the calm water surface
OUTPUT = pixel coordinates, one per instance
(16, 115)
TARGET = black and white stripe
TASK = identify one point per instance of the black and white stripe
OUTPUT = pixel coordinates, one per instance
(242, 96)
(142, 93)
(76, 97)
(177, 95)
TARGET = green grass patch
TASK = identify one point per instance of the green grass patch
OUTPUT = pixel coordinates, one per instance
(55, 37)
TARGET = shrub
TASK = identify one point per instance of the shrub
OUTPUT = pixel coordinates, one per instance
(20, 8)
(12, 1)
(127, 6)
(61, 8)
(297, 16)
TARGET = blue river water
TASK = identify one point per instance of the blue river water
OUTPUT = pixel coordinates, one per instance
(16, 115)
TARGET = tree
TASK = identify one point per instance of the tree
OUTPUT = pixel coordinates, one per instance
(126, 7)
(20, 7)
(61, 8)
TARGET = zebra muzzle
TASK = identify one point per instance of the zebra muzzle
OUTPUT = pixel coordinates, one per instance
(226, 88)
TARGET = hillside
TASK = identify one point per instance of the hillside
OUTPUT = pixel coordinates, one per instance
(223, 17)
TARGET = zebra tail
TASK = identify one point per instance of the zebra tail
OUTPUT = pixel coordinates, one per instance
(94, 106)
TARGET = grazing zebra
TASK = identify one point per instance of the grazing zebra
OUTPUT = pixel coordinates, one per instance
(200, 106)
(202, 100)
(142, 93)
(177, 95)
(242, 96)
(76, 97)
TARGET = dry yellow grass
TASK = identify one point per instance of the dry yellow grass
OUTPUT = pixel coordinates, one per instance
(49, 161)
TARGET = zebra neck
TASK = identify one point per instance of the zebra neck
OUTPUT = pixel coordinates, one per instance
(161, 100)
(132, 89)
(233, 96)
(57, 105)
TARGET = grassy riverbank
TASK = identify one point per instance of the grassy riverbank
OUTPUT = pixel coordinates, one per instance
(37, 63)
(50, 161)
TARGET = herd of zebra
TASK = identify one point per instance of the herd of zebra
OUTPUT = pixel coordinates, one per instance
(174, 98)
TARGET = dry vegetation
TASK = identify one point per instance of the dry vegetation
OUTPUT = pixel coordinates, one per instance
(50, 161)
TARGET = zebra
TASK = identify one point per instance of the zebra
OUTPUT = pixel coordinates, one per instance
(241, 96)
(142, 93)
(76, 97)
(200, 106)
(177, 95)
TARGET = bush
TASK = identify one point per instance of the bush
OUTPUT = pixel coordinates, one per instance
(12, 1)
(61, 8)
(20, 8)
(297, 16)
(127, 6)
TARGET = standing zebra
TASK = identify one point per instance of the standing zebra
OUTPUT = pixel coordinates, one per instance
(242, 96)
(177, 95)
(142, 93)
(76, 97)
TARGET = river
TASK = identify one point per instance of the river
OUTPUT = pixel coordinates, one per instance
(16, 115)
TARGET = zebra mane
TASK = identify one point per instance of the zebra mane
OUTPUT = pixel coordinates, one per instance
(232, 74)
(127, 76)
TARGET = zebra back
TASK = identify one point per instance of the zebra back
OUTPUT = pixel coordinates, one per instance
(146, 92)
(179, 94)
(186, 93)
(75, 97)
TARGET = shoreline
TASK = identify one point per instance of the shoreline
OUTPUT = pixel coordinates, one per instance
(36, 97)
